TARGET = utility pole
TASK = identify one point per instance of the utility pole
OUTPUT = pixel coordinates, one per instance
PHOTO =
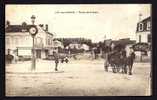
(33, 31)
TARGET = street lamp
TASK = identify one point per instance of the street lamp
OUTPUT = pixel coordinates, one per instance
(33, 31)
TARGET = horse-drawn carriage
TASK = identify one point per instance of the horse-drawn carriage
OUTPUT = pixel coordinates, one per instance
(118, 60)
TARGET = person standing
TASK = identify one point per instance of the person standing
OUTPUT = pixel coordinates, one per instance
(56, 58)
(106, 57)
(131, 59)
(92, 53)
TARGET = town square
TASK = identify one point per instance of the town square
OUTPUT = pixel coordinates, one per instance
(78, 50)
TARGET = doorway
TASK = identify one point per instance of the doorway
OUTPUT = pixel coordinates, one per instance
(38, 53)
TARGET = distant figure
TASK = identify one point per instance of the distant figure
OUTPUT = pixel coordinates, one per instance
(9, 58)
(64, 59)
(96, 52)
(92, 53)
(56, 58)
(112, 47)
(15, 56)
(106, 57)
(106, 63)
(131, 59)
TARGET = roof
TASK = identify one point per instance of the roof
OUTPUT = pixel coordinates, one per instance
(124, 42)
(20, 28)
(144, 22)
(49, 33)
(17, 28)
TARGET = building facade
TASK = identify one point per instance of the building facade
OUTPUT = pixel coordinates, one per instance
(18, 41)
(143, 31)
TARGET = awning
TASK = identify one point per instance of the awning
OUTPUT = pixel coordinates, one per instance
(141, 47)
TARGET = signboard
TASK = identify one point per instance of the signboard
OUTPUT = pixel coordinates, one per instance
(24, 52)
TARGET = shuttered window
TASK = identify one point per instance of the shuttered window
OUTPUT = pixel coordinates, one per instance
(140, 27)
(148, 25)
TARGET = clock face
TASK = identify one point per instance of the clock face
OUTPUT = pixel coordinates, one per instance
(33, 30)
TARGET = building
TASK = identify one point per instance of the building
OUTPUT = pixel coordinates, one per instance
(143, 31)
(18, 40)
(124, 41)
(67, 41)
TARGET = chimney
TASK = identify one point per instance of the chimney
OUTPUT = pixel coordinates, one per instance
(46, 27)
(140, 17)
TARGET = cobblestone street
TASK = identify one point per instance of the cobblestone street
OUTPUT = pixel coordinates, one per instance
(77, 78)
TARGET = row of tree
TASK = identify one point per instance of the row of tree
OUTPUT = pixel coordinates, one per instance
(67, 41)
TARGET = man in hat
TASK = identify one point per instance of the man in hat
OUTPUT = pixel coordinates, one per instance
(131, 59)
(56, 58)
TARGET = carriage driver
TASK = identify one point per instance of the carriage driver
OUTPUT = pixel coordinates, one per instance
(131, 60)
(131, 52)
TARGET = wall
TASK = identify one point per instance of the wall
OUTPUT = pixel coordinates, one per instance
(19, 39)
(144, 36)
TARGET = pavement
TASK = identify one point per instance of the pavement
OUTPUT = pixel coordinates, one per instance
(77, 78)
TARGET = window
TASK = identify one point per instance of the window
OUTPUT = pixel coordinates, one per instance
(148, 25)
(139, 38)
(140, 27)
(149, 38)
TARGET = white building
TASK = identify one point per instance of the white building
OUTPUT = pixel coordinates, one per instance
(143, 31)
(19, 41)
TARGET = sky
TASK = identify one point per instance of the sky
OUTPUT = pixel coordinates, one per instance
(92, 21)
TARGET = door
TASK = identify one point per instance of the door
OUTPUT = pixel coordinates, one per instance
(140, 38)
(38, 53)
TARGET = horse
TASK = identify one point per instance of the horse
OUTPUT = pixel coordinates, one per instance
(116, 60)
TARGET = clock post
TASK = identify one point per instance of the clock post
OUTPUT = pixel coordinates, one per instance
(33, 31)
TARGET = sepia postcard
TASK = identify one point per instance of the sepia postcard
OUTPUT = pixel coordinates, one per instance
(78, 50)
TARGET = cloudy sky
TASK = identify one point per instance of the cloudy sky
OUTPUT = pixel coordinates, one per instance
(113, 21)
